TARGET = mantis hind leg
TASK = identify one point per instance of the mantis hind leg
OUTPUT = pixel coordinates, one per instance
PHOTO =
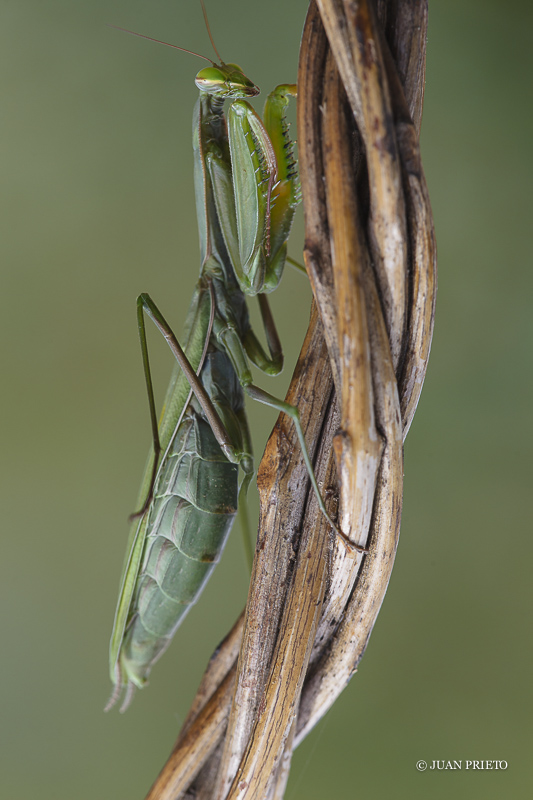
(264, 397)
(236, 351)
(146, 305)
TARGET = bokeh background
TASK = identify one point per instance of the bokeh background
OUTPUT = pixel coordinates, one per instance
(97, 206)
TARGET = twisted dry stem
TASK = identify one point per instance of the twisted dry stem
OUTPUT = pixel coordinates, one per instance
(370, 254)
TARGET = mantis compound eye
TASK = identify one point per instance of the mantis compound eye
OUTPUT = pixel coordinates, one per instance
(211, 80)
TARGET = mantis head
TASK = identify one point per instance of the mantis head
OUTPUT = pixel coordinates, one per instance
(227, 81)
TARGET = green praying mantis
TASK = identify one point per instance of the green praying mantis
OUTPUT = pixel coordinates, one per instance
(247, 190)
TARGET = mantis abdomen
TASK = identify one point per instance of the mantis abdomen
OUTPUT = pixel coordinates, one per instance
(193, 510)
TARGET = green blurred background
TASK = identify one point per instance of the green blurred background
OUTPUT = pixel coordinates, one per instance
(97, 207)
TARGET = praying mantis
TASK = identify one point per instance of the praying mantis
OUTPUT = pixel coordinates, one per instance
(247, 191)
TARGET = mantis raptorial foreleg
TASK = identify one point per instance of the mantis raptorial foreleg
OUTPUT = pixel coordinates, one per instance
(257, 194)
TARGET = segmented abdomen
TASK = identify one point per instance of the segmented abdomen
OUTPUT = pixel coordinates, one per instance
(195, 502)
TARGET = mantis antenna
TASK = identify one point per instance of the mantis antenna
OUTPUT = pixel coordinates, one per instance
(209, 31)
(168, 44)
(175, 46)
